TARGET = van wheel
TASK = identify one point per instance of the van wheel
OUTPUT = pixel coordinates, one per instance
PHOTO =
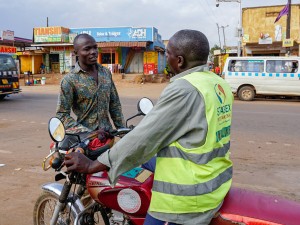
(246, 93)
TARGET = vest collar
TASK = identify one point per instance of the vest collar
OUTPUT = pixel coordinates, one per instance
(192, 70)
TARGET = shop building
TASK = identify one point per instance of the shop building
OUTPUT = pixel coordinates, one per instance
(121, 49)
(263, 37)
(9, 44)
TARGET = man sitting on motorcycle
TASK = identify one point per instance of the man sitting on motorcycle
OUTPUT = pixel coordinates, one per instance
(189, 130)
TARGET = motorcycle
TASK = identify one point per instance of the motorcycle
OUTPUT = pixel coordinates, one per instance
(127, 202)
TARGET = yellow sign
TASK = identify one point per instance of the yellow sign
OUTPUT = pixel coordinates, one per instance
(51, 34)
(288, 43)
(150, 57)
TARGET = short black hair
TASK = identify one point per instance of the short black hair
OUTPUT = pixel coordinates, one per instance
(192, 45)
(80, 36)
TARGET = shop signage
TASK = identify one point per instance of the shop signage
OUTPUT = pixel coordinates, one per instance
(288, 43)
(26, 53)
(51, 34)
(108, 34)
(72, 37)
(246, 38)
(137, 33)
(150, 57)
(8, 49)
(55, 49)
(50, 31)
(265, 41)
(118, 33)
(8, 35)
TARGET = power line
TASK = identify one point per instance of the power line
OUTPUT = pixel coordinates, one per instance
(212, 14)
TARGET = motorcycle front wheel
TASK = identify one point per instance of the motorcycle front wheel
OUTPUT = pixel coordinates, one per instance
(44, 208)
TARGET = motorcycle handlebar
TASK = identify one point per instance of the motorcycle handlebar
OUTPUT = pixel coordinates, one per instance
(82, 145)
(121, 131)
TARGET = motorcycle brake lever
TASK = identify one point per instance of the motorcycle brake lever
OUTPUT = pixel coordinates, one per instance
(63, 152)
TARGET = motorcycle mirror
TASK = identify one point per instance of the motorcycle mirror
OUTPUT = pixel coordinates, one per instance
(145, 105)
(56, 129)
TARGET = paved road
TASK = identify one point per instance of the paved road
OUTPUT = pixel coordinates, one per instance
(265, 146)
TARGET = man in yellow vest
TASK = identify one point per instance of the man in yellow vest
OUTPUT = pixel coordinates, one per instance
(189, 130)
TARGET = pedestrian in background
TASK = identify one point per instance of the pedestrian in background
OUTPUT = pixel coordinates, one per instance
(217, 70)
(42, 68)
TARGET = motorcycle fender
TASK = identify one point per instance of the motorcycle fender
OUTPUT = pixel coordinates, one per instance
(56, 188)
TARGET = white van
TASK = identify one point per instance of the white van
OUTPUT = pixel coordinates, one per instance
(251, 76)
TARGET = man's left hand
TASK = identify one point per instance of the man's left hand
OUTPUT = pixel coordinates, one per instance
(75, 161)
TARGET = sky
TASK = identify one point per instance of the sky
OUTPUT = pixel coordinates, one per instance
(168, 16)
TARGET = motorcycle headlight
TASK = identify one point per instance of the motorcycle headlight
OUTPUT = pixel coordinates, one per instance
(129, 200)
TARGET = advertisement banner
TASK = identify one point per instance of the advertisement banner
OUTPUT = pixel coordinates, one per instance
(51, 34)
(58, 49)
(8, 49)
(8, 35)
(150, 57)
(117, 33)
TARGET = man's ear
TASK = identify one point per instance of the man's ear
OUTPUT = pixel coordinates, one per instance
(75, 52)
(180, 61)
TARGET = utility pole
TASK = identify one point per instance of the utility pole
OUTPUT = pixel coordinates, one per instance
(47, 22)
(288, 21)
(219, 36)
(288, 26)
(240, 27)
(224, 46)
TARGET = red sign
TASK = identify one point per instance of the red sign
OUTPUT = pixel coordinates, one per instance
(8, 49)
(61, 48)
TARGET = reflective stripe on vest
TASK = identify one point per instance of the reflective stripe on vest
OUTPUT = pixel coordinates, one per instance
(196, 158)
(197, 179)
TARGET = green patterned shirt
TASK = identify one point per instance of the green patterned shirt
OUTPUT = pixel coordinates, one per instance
(91, 104)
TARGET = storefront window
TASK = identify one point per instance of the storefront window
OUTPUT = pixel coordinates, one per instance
(108, 58)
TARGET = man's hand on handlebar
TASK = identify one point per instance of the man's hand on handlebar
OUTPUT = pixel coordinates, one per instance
(75, 161)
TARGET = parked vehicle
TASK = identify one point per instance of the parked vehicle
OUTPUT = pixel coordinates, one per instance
(9, 77)
(269, 76)
(127, 202)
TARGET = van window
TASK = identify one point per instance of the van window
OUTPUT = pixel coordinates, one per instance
(282, 66)
(7, 63)
(246, 66)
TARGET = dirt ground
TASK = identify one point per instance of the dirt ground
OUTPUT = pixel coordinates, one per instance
(21, 153)
(246, 170)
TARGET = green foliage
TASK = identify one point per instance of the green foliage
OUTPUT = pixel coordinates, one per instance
(216, 47)
(211, 54)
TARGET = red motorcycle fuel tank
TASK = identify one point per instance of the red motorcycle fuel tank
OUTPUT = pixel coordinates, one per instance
(131, 195)
(247, 207)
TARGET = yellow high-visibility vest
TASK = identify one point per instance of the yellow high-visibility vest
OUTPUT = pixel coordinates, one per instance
(197, 179)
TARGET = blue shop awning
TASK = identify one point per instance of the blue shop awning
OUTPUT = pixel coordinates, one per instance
(122, 44)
